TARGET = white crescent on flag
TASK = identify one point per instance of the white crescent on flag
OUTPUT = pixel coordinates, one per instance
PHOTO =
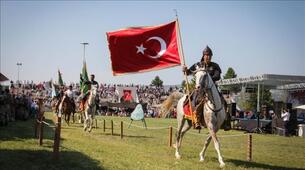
(162, 49)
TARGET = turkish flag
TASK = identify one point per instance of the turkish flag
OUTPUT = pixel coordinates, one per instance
(141, 49)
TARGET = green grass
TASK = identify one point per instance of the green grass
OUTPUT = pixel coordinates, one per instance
(141, 148)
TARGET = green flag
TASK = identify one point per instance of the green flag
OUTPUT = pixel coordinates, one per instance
(84, 77)
(60, 82)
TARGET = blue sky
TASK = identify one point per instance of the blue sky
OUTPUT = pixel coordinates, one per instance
(252, 37)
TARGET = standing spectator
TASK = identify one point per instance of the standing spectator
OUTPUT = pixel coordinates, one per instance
(271, 114)
(285, 116)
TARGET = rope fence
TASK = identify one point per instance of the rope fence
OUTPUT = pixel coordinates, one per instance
(170, 134)
(38, 132)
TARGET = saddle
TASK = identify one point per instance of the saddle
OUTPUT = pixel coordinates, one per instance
(198, 109)
(82, 105)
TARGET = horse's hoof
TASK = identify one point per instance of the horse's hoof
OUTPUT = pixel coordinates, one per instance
(222, 165)
(174, 145)
(201, 159)
(178, 156)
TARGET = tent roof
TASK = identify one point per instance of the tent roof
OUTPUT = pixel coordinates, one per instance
(300, 107)
(3, 77)
(271, 80)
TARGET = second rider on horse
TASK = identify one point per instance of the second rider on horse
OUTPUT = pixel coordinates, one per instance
(69, 93)
(90, 83)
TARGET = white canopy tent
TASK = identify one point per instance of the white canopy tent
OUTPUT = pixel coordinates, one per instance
(271, 81)
(300, 107)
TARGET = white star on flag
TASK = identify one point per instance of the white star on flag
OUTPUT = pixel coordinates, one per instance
(141, 49)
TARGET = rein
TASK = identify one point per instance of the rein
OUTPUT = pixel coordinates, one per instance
(92, 104)
(209, 96)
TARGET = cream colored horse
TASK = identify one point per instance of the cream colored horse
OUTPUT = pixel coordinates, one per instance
(214, 113)
(90, 109)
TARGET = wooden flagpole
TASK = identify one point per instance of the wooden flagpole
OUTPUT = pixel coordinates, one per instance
(180, 49)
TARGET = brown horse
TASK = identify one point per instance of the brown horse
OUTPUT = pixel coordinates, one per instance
(65, 108)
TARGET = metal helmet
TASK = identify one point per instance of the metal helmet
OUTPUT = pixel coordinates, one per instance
(207, 50)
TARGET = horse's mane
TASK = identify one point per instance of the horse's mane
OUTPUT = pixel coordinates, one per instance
(170, 102)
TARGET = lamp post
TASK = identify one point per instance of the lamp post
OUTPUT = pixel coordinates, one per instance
(18, 67)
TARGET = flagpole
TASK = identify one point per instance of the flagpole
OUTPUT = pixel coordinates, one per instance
(180, 49)
(84, 57)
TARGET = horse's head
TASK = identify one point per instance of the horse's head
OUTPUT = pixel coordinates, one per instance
(93, 93)
(203, 80)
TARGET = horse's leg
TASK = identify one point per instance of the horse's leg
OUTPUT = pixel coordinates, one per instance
(73, 117)
(69, 115)
(184, 127)
(213, 131)
(90, 122)
(85, 120)
(80, 117)
(66, 117)
(83, 117)
(206, 144)
(178, 136)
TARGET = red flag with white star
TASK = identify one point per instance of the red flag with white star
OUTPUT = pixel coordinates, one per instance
(141, 49)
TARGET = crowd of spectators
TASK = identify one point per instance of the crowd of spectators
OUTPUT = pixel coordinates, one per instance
(18, 100)
(17, 103)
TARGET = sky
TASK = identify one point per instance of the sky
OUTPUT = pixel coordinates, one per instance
(252, 37)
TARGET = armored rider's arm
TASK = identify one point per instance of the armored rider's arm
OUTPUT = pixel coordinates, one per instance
(217, 72)
(192, 69)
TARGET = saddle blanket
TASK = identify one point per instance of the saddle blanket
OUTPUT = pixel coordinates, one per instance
(187, 112)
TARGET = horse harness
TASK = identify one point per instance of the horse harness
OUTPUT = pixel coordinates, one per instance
(210, 98)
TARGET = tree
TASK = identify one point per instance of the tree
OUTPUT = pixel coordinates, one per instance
(249, 101)
(231, 74)
(157, 82)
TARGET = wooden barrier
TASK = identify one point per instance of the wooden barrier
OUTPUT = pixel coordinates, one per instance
(35, 128)
(249, 148)
(170, 136)
(41, 130)
(121, 129)
(111, 127)
(57, 139)
(104, 125)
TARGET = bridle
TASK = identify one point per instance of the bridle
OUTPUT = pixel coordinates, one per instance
(91, 104)
(205, 89)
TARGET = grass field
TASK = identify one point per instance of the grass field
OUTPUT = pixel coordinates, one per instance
(141, 148)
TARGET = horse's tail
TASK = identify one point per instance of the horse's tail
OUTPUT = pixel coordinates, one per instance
(171, 100)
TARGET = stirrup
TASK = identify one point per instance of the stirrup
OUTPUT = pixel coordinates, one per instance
(197, 126)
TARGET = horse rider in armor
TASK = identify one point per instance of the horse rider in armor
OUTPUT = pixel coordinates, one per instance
(214, 71)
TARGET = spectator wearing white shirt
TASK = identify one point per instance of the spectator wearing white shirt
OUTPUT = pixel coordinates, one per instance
(285, 116)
